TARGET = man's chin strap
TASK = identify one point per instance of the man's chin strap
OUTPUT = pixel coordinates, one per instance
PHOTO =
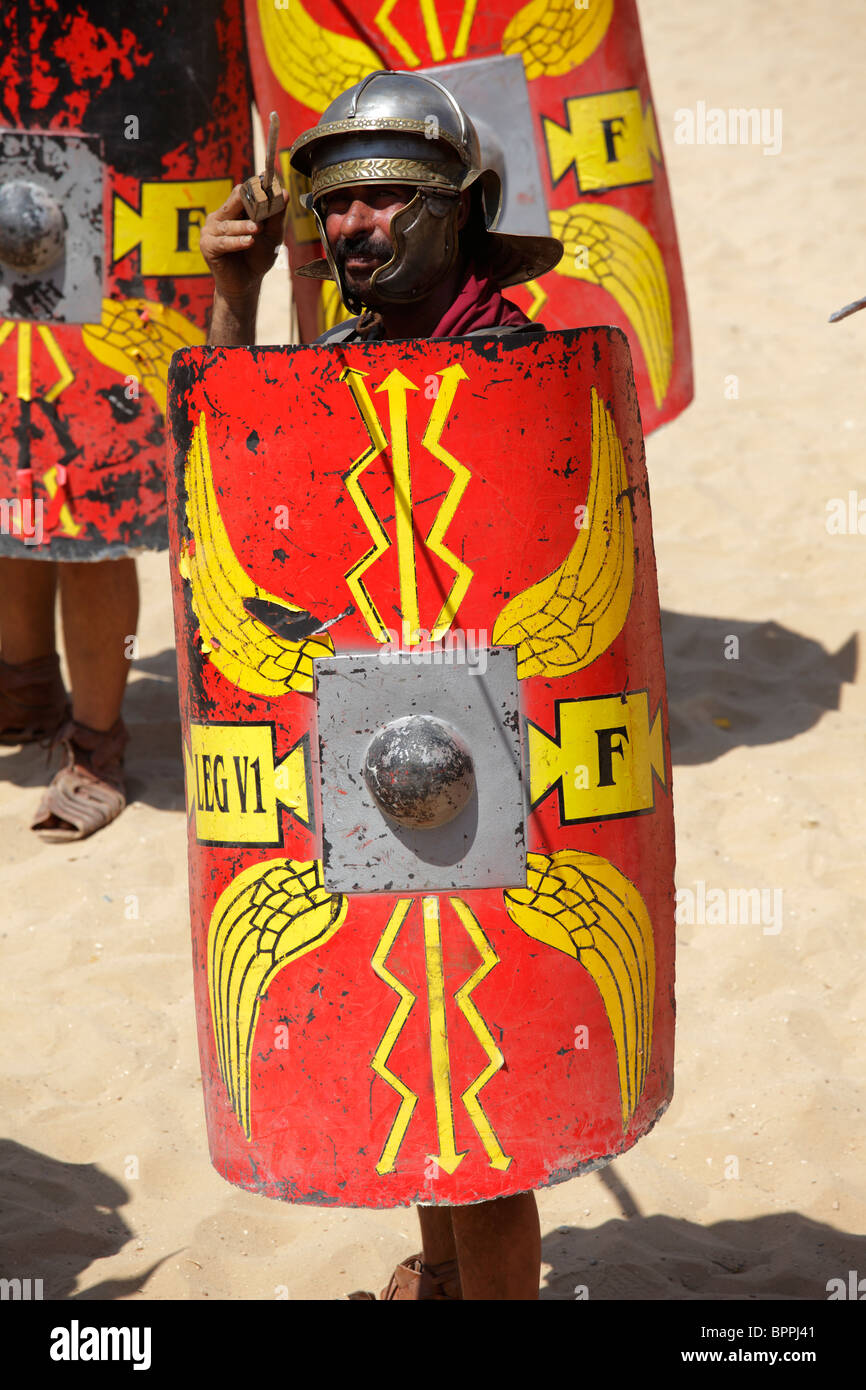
(370, 325)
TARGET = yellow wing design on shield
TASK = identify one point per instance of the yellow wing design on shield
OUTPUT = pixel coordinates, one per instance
(565, 621)
(136, 337)
(580, 904)
(311, 63)
(247, 651)
(270, 914)
(606, 246)
(554, 36)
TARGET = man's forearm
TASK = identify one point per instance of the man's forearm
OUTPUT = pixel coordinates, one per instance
(233, 322)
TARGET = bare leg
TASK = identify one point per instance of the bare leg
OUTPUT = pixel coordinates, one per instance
(437, 1235)
(499, 1248)
(99, 603)
(27, 590)
(497, 1245)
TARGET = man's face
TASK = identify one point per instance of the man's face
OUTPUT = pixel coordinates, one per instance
(356, 221)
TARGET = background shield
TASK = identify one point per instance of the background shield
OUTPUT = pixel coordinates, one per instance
(147, 106)
(561, 97)
(422, 507)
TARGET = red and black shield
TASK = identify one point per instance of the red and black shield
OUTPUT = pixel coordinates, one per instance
(133, 122)
(448, 539)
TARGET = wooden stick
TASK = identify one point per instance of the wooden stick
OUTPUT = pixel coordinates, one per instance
(849, 309)
(273, 137)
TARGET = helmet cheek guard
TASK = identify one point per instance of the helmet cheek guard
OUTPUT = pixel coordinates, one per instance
(425, 238)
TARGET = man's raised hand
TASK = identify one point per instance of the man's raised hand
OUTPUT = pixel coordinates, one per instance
(238, 252)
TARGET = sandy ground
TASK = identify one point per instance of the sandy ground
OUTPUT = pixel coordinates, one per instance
(752, 1186)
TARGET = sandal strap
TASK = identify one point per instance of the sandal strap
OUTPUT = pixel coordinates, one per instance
(82, 800)
(88, 792)
(32, 699)
(95, 750)
(413, 1279)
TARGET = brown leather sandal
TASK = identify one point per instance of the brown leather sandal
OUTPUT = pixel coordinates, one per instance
(33, 701)
(88, 792)
(412, 1279)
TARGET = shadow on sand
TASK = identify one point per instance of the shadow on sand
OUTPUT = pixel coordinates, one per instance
(57, 1218)
(660, 1258)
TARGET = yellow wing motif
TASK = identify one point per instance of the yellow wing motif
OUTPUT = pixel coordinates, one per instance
(580, 904)
(313, 64)
(269, 915)
(565, 621)
(137, 337)
(244, 649)
(554, 36)
(606, 246)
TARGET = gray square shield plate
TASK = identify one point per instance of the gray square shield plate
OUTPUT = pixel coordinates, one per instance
(365, 850)
(495, 96)
(68, 169)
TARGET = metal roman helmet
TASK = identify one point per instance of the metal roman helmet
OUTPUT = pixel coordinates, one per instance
(397, 127)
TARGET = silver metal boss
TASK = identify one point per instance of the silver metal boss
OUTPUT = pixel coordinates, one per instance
(421, 772)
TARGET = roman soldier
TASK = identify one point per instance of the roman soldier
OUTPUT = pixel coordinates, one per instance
(117, 124)
(436, 768)
(417, 253)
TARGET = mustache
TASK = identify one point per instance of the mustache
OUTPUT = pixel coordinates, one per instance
(367, 245)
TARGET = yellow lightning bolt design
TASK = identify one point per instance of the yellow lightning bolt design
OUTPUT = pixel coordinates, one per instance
(315, 64)
(393, 35)
(451, 378)
(447, 1157)
(461, 43)
(68, 525)
(24, 361)
(539, 298)
(380, 1058)
(432, 29)
(24, 383)
(489, 958)
(354, 379)
(396, 386)
(65, 375)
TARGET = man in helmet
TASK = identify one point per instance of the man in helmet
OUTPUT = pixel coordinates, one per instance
(406, 213)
